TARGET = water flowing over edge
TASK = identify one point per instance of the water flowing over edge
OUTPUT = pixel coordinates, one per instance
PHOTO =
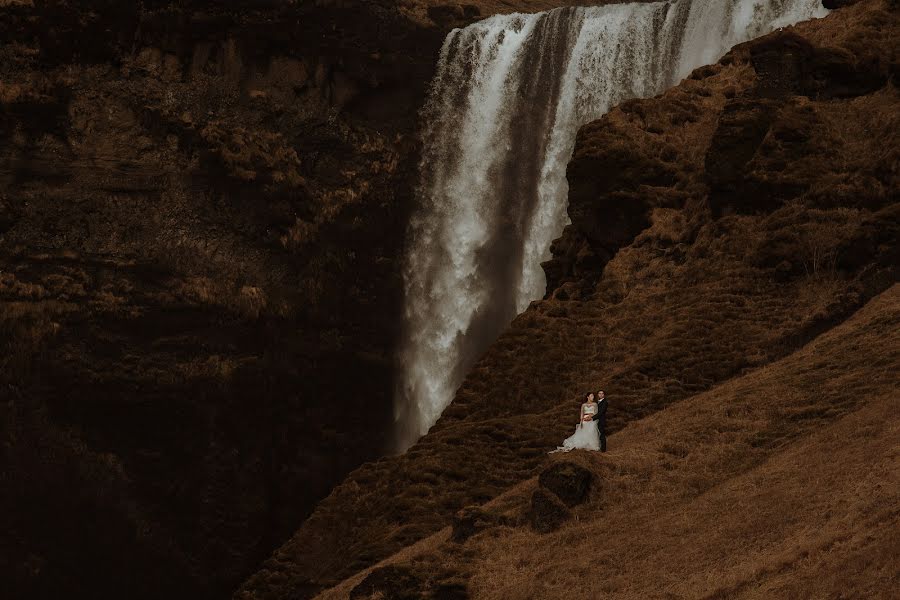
(499, 128)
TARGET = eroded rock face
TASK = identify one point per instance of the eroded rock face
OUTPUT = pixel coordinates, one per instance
(715, 229)
(202, 211)
(771, 144)
(771, 127)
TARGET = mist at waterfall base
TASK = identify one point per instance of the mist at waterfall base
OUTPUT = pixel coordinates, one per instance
(498, 129)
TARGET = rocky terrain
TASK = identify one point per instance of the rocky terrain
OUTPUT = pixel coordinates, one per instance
(724, 279)
(202, 211)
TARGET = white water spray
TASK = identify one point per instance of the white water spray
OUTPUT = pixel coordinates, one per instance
(506, 103)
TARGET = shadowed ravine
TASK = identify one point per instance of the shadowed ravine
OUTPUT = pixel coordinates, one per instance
(499, 127)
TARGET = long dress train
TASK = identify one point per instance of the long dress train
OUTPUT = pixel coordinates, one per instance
(585, 437)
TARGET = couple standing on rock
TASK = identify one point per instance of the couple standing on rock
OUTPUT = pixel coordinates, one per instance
(590, 433)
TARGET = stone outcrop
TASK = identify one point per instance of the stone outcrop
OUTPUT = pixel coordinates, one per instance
(547, 512)
(570, 483)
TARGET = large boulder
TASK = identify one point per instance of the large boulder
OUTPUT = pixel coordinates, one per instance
(571, 483)
(547, 512)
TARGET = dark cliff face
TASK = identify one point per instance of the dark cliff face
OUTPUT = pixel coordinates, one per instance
(202, 211)
(715, 229)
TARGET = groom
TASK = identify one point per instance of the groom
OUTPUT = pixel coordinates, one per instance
(600, 417)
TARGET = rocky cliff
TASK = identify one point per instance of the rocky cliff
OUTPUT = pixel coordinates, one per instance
(202, 209)
(716, 230)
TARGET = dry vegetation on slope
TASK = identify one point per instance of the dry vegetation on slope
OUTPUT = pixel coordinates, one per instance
(783, 483)
(715, 229)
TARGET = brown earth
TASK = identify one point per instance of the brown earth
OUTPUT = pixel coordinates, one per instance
(716, 230)
(202, 209)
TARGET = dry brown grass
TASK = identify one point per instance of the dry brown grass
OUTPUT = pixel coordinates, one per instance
(772, 485)
(775, 488)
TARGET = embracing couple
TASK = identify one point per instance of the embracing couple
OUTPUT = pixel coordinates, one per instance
(590, 433)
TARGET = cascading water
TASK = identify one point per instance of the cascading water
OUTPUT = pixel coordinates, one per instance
(500, 125)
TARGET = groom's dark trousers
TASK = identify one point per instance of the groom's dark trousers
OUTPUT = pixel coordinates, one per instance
(600, 417)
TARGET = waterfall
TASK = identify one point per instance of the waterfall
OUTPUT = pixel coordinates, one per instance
(499, 128)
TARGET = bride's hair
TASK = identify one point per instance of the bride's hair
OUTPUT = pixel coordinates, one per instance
(587, 397)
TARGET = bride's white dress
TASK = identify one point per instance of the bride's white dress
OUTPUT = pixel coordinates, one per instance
(585, 436)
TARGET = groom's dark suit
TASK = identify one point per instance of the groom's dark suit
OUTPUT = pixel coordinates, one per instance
(600, 417)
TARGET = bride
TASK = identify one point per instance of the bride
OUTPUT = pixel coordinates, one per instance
(586, 435)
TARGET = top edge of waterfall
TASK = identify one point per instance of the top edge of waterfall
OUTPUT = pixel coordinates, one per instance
(572, 8)
(598, 8)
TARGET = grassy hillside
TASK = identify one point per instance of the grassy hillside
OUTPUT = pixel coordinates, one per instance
(783, 483)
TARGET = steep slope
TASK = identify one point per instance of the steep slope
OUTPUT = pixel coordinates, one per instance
(715, 229)
(202, 208)
(783, 483)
